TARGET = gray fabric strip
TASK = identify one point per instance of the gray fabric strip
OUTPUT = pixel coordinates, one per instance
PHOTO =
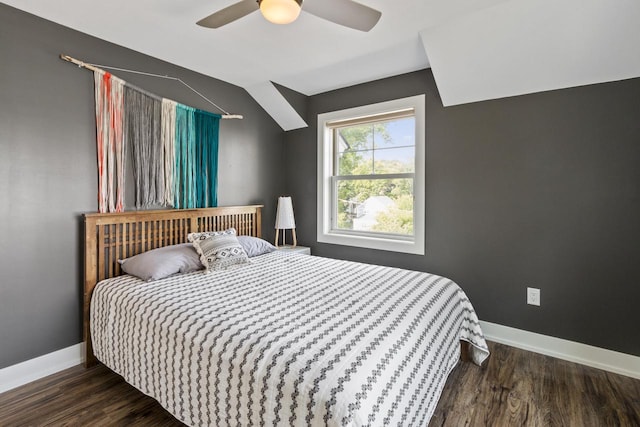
(142, 127)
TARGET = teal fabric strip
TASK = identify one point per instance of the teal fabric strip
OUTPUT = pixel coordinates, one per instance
(185, 157)
(177, 167)
(192, 171)
(196, 158)
(190, 200)
(207, 130)
(212, 163)
(201, 182)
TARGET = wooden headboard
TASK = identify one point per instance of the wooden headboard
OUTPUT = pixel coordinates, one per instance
(113, 236)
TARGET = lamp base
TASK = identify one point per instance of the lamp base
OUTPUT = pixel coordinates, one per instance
(284, 237)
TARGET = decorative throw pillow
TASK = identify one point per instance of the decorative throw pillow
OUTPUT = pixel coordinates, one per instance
(218, 252)
(255, 246)
(159, 263)
(192, 237)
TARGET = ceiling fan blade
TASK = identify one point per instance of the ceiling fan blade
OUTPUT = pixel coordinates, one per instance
(229, 14)
(344, 12)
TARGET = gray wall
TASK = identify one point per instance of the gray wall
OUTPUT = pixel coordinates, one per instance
(540, 190)
(48, 169)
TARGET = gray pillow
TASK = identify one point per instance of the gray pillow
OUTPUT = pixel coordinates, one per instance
(218, 252)
(255, 246)
(159, 263)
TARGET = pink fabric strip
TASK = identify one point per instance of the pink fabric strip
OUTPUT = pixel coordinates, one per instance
(110, 144)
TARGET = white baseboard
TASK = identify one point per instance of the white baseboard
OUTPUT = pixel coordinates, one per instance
(40, 367)
(608, 360)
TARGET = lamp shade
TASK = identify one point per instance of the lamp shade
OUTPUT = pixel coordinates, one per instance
(280, 11)
(284, 214)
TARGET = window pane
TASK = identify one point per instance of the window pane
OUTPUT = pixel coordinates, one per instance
(395, 133)
(376, 148)
(354, 138)
(375, 205)
(395, 160)
(355, 163)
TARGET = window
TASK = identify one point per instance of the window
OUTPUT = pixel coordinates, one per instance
(371, 176)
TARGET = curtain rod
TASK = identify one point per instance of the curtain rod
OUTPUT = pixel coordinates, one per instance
(95, 67)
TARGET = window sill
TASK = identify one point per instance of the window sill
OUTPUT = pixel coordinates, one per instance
(384, 244)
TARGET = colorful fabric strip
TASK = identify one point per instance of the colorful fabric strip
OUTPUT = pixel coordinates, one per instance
(110, 144)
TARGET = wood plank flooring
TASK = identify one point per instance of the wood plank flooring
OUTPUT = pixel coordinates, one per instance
(514, 388)
(520, 388)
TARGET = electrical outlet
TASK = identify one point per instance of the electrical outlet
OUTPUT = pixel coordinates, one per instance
(533, 296)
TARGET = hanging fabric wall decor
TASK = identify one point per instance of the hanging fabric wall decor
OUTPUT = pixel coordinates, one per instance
(207, 130)
(196, 158)
(168, 137)
(142, 124)
(185, 157)
(110, 144)
(174, 148)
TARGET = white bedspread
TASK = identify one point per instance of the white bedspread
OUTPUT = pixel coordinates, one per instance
(288, 340)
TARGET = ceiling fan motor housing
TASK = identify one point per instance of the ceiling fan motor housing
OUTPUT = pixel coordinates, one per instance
(280, 11)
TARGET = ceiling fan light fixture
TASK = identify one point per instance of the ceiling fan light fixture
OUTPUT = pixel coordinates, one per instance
(280, 11)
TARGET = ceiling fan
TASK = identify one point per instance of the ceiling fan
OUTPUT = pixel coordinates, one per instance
(343, 12)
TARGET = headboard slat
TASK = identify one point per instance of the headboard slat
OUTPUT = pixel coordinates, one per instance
(118, 248)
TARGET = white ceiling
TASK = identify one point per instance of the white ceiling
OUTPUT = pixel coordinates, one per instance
(478, 48)
(528, 46)
(251, 50)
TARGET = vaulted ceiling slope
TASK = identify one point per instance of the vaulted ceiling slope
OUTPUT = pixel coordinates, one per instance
(528, 46)
(478, 49)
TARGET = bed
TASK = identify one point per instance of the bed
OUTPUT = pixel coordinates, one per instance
(286, 339)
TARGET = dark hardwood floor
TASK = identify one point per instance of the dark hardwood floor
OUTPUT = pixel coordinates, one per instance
(514, 388)
(520, 388)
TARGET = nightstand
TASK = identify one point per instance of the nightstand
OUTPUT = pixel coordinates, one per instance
(305, 250)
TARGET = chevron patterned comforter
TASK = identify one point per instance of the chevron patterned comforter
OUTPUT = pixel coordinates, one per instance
(289, 339)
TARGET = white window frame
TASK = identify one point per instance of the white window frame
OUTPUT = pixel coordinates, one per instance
(325, 233)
